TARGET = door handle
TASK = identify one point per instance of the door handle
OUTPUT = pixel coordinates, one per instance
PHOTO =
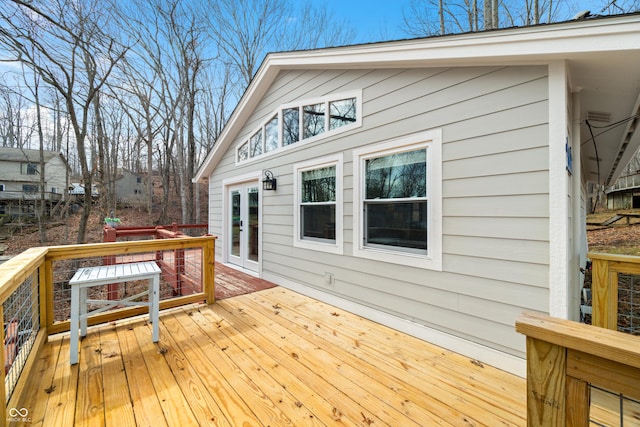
(240, 225)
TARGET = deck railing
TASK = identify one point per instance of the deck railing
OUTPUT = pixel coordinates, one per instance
(606, 269)
(565, 358)
(34, 294)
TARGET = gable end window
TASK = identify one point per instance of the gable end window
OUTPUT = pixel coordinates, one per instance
(302, 122)
(397, 210)
(318, 208)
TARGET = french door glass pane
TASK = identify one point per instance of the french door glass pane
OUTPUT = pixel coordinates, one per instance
(235, 223)
(253, 223)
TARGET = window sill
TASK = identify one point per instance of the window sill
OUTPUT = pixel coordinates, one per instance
(400, 257)
(332, 248)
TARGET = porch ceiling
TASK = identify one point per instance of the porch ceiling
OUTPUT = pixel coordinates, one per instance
(608, 82)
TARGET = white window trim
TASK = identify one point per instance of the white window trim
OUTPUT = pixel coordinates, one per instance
(298, 168)
(357, 94)
(432, 140)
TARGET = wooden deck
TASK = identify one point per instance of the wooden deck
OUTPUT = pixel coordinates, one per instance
(231, 282)
(272, 357)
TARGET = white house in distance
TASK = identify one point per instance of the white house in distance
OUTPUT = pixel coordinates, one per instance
(20, 173)
(434, 185)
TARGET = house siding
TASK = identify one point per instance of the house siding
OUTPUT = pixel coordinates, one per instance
(495, 187)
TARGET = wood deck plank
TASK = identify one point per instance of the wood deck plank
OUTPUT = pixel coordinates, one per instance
(36, 397)
(118, 406)
(61, 404)
(270, 358)
(174, 404)
(199, 376)
(146, 406)
(280, 394)
(300, 387)
(349, 400)
(265, 412)
(491, 389)
(427, 405)
(90, 397)
(415, 364)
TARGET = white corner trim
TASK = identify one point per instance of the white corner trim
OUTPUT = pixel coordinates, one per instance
(504, 361)
(558, 191)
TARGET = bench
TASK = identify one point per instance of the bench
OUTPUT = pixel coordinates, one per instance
(103, 275)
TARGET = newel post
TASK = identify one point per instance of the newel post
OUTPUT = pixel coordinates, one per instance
(208, 271)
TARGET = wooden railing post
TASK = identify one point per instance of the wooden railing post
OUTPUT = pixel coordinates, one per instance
(208, 270)
(42, 302)
(604, 294)
(565, 358)
(546, 388)
(46, 293)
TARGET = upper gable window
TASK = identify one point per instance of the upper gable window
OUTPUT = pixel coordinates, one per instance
(302, 122)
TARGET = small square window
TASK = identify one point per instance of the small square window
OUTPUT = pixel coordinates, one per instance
(255, 144)
(290, 126)
(243, 152)
(342, 113)
(313, 116)
(29, 169)
(271, 135)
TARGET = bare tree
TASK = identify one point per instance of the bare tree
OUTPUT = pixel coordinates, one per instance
(430, 17)
(75, 56)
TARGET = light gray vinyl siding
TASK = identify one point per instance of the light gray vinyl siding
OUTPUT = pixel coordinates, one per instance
(495, 204)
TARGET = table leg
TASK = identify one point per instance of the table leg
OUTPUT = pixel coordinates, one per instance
(83, 311)
(75, 314)
(154, 307)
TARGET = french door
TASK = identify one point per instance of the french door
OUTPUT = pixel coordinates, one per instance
(244, 225)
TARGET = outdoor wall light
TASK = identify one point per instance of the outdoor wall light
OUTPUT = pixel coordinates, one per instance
(269, 182)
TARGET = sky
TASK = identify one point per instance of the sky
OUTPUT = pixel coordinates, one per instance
(375, 20)
(372, 19)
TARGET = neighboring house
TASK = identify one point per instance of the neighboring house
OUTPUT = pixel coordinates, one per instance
(130, 187)
(625, 193)
(20, 172)
(435, 185)
(77, 189)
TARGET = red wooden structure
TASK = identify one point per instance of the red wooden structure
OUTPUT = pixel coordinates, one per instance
(173, 266)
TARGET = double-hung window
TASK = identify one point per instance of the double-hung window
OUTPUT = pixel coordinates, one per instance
(397, 214)
(318, 211)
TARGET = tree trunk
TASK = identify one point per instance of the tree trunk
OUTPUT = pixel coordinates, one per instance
(39, 208)
(487, 14)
